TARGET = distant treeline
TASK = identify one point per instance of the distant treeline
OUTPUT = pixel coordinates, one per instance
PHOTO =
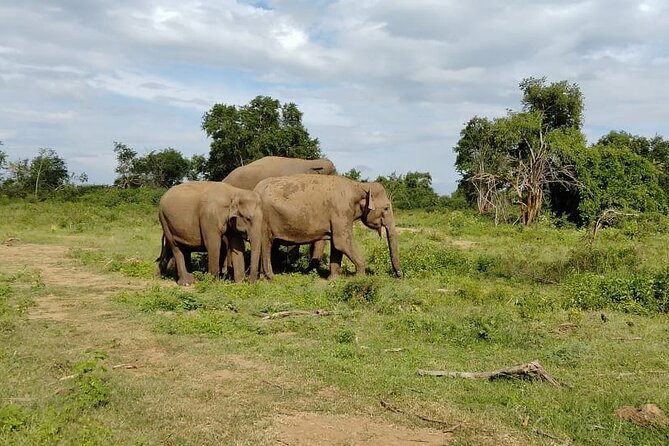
(514, 168)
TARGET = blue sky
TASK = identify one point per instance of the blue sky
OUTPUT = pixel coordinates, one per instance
(385, 85)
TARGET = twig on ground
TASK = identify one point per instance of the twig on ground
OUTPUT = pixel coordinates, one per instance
(392, 350)
(65, 378)
(124, 366)
(391, 407)
(633, 338)
(291, 313)
(536, 430)
(531, 369)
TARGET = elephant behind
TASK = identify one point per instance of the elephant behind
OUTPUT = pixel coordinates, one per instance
(196, 216)
(307, 208)
(249, 175)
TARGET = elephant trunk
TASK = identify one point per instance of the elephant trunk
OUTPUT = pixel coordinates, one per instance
(255, 239)
(391, 235)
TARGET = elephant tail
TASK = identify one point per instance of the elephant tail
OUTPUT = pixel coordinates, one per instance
(162, 249)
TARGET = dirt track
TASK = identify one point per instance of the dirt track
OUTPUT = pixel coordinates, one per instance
(232, 383)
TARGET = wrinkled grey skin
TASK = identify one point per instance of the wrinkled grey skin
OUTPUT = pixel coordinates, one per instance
(196, 216)
(306, 208)
(249, 175)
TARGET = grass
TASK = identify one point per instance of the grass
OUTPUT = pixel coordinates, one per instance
(475, 297)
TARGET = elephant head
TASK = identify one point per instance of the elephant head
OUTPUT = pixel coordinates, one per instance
(322, 166)
(246, 218)
(377, 213)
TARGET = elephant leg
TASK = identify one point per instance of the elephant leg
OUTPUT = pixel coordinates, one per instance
(316, 253)
(343, 241)
(212, 243)
(187, 260)
(185, 277)
(335, 261)
(236, 254)
(266, 256)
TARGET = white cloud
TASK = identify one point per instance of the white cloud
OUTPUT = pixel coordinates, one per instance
(385, 84)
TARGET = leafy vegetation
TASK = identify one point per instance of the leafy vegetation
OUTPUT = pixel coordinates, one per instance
(263, 127)
(476, 296)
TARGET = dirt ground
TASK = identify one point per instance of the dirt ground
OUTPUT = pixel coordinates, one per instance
(196, 386)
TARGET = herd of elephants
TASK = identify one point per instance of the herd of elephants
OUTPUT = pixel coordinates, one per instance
(271, 200)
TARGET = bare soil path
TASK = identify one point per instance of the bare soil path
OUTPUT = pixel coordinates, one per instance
(192, 392)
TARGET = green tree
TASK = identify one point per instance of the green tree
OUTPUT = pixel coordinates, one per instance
(615, 177)
(46, 172)
(3, 163)
(354, 174)
(243, 134)
(125, 159)
(163, 168)
(524, 153)
(198, 168)
(654, 149)
(410, 191)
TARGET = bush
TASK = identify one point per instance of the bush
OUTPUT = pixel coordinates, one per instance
(356, 290)
(638, 293)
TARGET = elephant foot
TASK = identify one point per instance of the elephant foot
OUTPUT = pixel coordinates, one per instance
(187, 280)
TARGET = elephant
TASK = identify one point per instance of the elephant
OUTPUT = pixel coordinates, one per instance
(203, 216)
(306, 208)
(249, 175)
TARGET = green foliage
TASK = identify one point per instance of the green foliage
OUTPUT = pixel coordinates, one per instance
(524, 152)
(158, 169)
(12, 418)
(410, 191)
(243, 134)
(560, 103)
(614, 177)
(353, 174)
(357, 290)
(37, 177)
(640, 293)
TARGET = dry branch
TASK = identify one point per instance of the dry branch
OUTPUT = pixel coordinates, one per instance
(551, 436)
(529, 370)
(291, 313)
(124, 366)
(391, 407)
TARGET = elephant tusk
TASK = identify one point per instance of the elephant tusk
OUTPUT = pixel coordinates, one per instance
(380, 230)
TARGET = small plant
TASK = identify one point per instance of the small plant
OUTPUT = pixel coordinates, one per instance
(358, 290)
(345, 335)
(12, 418)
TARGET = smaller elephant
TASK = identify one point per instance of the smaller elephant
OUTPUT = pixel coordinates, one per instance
(307, 208)
(198, 216)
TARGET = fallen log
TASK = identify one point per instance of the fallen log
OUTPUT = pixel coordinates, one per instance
(528, 370)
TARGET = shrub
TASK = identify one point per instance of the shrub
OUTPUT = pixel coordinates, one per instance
(637, 293)
(356, 290)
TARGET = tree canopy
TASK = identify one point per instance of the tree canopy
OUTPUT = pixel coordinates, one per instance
(44, 173)
(261, 128)
(158, 168)
(518, 156)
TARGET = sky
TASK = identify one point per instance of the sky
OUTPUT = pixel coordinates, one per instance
(385, 85)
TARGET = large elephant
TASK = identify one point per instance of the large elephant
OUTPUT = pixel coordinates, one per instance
(306, 208)
(249, 175)
(196, 216)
